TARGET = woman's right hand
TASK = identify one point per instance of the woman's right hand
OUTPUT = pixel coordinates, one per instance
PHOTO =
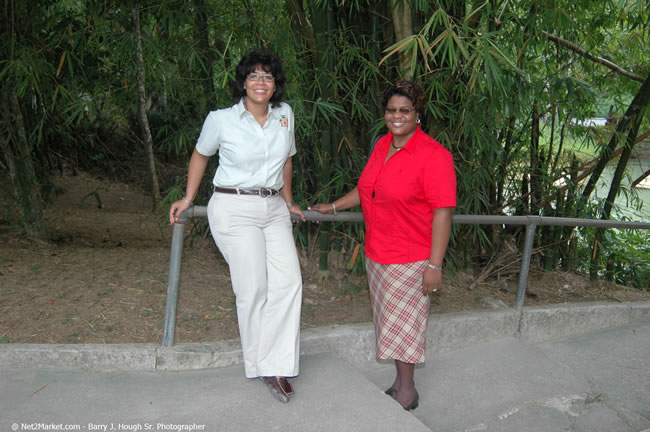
(323, 208)
(345, 202)
(176, 209)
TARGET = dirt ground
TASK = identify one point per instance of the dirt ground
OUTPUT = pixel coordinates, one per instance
(104, 278)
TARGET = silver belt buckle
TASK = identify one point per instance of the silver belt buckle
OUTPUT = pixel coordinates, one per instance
(264, 192)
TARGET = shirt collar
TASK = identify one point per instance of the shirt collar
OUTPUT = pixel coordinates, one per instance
(272, 112)
(240, 108)
(412, 143)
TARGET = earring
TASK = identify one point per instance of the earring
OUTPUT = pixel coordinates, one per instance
(418, 120)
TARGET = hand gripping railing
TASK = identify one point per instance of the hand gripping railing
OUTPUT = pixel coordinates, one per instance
(531, 222)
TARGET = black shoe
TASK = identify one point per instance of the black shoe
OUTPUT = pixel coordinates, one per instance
(413, 405)
(391, 392)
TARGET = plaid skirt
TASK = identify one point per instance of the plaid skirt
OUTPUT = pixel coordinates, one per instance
(400, 310)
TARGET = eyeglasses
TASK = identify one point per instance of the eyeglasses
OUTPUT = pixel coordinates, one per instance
(258, 77)
(402, 110)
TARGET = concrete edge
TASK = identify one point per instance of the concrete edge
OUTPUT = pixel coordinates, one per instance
(352, 343)
(72, 356)
(544, 323)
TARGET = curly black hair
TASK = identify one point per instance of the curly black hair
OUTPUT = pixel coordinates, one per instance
(269, 62)
(409, 89)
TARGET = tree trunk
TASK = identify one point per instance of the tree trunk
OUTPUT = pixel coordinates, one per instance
(639, 102)
(600, 60)
(316, 38)
(21, 169)
(202, 30)
(503, 163)
(322, 24)
(640, 178)
(635, 124)
(252, 23)
(403, 26)
(142, 109)
(566, 251)
(301, 23)
(559, 150)
(535, 174)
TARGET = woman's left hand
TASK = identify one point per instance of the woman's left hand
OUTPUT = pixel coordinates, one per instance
(295, 209)
(431, 281)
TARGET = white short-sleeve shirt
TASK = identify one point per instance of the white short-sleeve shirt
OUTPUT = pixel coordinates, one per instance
(250, 155)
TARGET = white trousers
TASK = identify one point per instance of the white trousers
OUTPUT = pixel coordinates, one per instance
(254, 235)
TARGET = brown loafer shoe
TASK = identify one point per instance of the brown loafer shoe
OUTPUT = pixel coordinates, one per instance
(275, 387)
(287, 387)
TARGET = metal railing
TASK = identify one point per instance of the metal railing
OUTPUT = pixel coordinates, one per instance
(531, 222)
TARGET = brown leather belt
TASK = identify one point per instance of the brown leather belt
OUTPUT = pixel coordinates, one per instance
(263, 192)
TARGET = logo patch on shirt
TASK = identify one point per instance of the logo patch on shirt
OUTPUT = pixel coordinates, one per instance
(284, 121)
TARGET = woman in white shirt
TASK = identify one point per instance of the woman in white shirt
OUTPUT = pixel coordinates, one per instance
(249, 216)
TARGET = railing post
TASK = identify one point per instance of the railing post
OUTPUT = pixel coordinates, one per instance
(172, 280)
(525, 265)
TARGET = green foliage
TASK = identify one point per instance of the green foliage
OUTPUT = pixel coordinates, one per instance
(629, 250)
(488, 68)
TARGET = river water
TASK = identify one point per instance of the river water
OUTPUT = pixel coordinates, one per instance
(635, 168)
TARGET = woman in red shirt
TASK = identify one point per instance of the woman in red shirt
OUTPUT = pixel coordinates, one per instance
(407, 193)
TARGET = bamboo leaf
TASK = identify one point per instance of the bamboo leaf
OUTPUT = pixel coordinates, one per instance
(503, 57)
(397, 47)
(460, 45)
(58, 69)
(422, 43)
(439, 39)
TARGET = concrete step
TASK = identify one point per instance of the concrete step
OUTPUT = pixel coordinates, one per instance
(331, 395)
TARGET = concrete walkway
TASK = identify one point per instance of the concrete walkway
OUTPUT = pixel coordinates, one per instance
(581, 368)
(598, 382)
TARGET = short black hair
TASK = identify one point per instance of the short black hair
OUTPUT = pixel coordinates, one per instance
(269, 62)
(409, 89)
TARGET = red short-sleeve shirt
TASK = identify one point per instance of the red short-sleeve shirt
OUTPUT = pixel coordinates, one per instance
(398, 197)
